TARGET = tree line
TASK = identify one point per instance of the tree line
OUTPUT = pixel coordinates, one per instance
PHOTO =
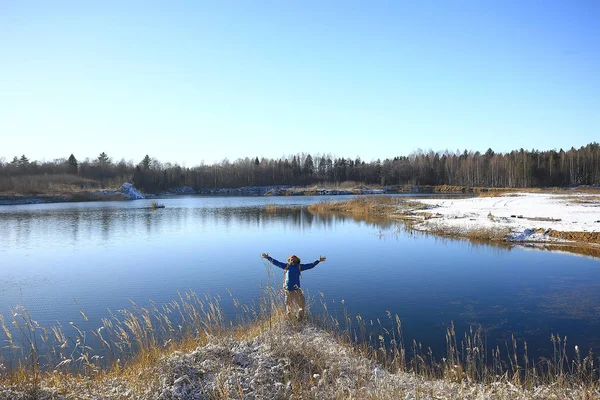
(515, 169)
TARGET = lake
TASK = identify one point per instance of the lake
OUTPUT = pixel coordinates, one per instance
(58, 259)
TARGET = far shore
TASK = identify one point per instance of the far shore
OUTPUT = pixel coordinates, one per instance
(564, 221)
(348, 189)
(555, 218)
(118, 194)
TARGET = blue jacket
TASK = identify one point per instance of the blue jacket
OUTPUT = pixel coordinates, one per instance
(292, 275)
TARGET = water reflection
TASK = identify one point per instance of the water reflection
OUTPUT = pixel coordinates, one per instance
(24, 228)
(104, 255)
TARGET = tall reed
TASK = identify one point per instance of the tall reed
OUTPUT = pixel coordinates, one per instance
(140, 335)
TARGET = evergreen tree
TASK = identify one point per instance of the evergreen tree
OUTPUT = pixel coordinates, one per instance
(23, 162)
(72, 164)
(103, 159)
(309, 166)
(146, 162)
(295, 168)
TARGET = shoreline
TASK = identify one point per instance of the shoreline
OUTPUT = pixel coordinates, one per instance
(277, 358)
(252, 191)
(131, 193)
(568, 222)
(566, 219)
(517, 217)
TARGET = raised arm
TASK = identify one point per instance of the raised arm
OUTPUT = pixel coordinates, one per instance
(274, 261)
(304, 267)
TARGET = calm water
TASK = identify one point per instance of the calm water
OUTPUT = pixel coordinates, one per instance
(102, 255)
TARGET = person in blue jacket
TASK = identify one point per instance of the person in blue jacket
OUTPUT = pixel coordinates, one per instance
(293, 293)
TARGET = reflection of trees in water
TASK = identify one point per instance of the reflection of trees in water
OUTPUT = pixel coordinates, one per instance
(298, 217)
(107, 221)
(22, 231)
(589, 251)
(104, 222)
(25, 227)
(15, 227)
(74, 221)
(399, 229)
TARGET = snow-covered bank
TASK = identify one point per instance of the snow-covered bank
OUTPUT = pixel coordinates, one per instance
(528, 216)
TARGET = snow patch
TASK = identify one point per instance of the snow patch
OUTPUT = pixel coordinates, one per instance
(530, 235)
(528, 216)
(130, 192)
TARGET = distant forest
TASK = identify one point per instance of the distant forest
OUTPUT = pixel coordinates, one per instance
(517, 169)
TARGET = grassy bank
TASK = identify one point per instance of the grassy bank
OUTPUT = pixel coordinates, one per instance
(189, 349)
(57, 188)
(421, 216)
(408, 211)
(53, 188)
(371, 207)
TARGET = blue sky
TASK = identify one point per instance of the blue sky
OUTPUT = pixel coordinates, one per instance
(202, 81)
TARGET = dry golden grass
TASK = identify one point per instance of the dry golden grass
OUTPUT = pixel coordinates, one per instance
(590, 199)
(52, 185)
(478, 235)
(280, 209)
(466, 362)
(397, 208)
(494, 192)
(130, 343)
(368, 207)
(589, 250)
(583, 237)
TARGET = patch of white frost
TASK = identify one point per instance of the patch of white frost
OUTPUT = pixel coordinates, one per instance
(129, 191)
(264, 368)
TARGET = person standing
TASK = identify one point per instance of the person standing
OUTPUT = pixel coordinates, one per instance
(291, 284)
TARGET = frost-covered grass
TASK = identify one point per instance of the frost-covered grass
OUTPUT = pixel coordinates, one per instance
(297, 360)
(147, 355)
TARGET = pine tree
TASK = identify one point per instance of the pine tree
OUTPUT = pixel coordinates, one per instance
(23, 161)
(72, 164)
(146, 162)
(309, 165)
(103, 159)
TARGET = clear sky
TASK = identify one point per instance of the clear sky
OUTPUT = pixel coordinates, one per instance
(200, 81)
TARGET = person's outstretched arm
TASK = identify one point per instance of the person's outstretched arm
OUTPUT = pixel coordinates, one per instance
(304, 267)
(274, 261)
